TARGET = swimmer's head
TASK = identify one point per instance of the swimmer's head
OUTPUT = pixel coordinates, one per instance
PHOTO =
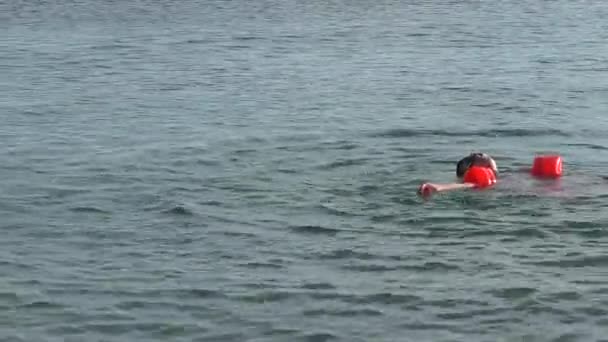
(475, 159)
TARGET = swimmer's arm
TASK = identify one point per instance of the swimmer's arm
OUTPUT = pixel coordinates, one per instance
(430, 188)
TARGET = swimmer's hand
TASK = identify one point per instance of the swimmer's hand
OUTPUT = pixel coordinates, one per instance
(427, 189)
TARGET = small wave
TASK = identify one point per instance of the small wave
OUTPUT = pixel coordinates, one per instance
(187, 293)
(171, 87)
(292, 36)
(112, 46)
(180, 211)
(590, 146)
(592, 233)
(535, 307)
(245, 151)
(229, 336)
(453, 303)
(238, 47)
(545, 61)
(588, 261)
(570, 337)
(343, 163)
(8, 298)
(319, 337)
(63, 192)
(501, 321)
(513, 292)
(516, 132)
(314, 230)
(32, 113)
(88, 210)
(471, 313)
(247, 38)
(343, 313)
(120, 328)
(212, 203)
(335, 211)
(433, 266)
(164, 299)
(365, 189)
(592, 311)
(347, 146)
(318, 286)
(261, 265)
(418, 34)
(265, 297)
(66, 329)
(370, 268)
(374, 298)
(387, 298)
(582, 224)
(259, 285)
(235, 234)
(347, 254)
(287, 170)
(486, 105)
(282, 331)
(428, 266)
(561, 296)
(463, 89)
(42, 305)
(425, 326)
(518, 109)
(523, 232)
(202, 293)
(198, 41)
(384, 218)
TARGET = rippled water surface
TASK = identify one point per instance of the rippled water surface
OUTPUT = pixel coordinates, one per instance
(246, 170)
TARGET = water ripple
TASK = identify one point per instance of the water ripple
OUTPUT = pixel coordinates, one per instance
(494, 133)
(247, 171)
(314, 230)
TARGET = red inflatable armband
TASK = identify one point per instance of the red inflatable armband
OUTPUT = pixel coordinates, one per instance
(549, 166)
(480, 176)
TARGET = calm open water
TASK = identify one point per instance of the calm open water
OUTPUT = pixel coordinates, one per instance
(246, 170)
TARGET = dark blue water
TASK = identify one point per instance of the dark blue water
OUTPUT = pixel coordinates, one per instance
(246, 170)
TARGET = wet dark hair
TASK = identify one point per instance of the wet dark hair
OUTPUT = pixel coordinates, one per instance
(465, 163)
